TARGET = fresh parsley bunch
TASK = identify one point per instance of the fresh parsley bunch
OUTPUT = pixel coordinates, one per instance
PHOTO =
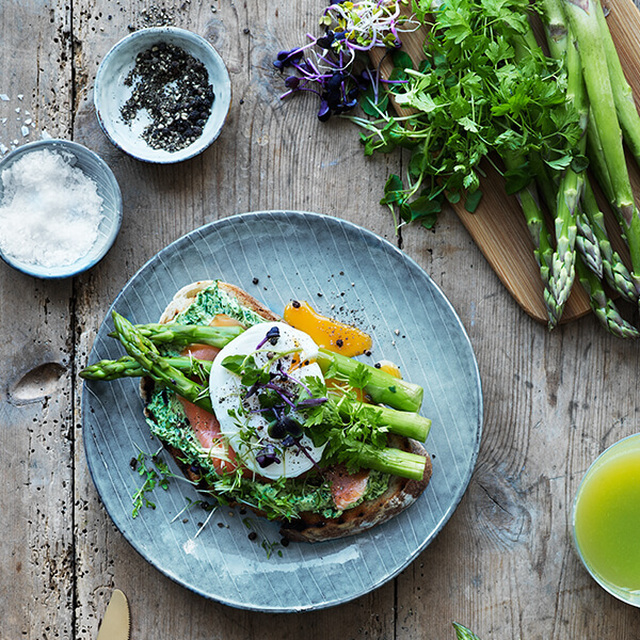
(484, 89)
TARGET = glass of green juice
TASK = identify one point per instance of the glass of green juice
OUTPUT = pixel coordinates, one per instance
(606, 520)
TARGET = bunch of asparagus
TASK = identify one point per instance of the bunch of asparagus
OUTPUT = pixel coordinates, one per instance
(177, 373)
(577, 33)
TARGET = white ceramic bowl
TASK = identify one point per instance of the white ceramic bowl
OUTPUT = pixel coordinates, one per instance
(111, 210)
(111, 92)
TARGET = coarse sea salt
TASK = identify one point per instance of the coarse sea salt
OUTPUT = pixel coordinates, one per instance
(50, 211)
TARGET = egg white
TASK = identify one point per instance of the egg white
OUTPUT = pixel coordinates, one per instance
(246, 431)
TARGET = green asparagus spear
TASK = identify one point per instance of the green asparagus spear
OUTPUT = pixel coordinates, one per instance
(587, 244)
(401, 423)
(393, 461)
(146, 354)
(107, 370)
(571, 184)
(614, 270)
(622, 93)
(583, 17)
(182, 335)
(556, 29)
(605, 310)
(381, 387)
(128, 367)
(597, 163)
(542, 249)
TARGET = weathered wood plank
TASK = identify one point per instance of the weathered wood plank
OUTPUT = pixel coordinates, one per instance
(36, 420)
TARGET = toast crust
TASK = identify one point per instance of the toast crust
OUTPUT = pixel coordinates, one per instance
(310, 527)
(183, 299)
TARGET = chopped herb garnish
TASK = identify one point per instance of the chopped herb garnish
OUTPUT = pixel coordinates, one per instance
(155, 473)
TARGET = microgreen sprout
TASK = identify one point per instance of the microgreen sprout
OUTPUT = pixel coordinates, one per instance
(332, 65)
(155, 474)
(205, 504)
(361, 26)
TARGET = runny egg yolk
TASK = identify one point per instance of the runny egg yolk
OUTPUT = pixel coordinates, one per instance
(327, 332)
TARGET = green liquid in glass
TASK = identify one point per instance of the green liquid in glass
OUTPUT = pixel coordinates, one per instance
(607, 518)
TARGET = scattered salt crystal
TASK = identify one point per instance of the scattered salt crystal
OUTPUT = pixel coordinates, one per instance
(4, 120)
(25, 131)
(4, 97)
(50, 212)
(17, 109)
(20, 96)
(3, 149)
(45, 135)
(28, 121)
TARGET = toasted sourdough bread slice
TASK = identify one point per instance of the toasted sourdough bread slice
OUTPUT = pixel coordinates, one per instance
(310, 527)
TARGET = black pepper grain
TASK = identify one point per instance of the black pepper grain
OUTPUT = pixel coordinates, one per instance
(173, 88)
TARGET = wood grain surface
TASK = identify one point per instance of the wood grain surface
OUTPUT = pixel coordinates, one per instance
(503, 565)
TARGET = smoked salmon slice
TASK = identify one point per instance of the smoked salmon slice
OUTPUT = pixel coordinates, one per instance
(347, 488)
(204, 424)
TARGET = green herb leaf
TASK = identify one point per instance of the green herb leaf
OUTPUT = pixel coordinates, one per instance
(156, 475)
(235, 364)
(472, 201)
(462, 633)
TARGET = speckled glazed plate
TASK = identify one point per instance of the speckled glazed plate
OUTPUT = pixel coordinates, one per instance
(342, 270)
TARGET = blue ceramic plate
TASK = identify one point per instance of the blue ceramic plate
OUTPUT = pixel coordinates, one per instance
(342, 270)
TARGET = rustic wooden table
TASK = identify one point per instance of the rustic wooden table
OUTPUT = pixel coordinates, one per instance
(503, 564)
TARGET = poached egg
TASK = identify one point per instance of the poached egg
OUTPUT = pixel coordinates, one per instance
(287, 354)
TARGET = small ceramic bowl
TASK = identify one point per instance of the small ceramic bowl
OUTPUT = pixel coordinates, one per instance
(111, 93)
(110, 218)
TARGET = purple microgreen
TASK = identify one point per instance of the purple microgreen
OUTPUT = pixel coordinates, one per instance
(267, 456)
(281, 392)
(324, 112)
(333, 65)
(288, 376)
(311, 402)
(306, 453)
(272, 337)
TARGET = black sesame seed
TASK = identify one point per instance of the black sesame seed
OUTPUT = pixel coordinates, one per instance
(173, 87)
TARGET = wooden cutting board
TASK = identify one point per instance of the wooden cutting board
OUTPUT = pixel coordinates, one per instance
(498, 226)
